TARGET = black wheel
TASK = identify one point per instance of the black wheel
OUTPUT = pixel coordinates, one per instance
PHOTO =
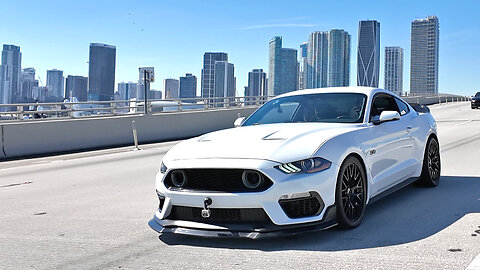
(351, 193)
(431, 168)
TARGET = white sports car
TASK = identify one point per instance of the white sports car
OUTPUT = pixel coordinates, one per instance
(305, 160)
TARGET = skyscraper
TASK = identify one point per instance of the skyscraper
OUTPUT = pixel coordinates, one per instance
(101, 72)
(257, 83)
(224, 79)
(27, 82)
(76, 86)
(338, 58)
(317, 60)
(424, 56)
(55, 84)
(127, 90)
(283, 68)
(171, 88)
(188, 86)
(394, 69)
(10, 69)
(303, 67)
(368, 56)
(208, 72)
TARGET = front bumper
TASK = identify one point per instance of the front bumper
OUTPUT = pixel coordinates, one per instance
(242, 231)
(278, 222)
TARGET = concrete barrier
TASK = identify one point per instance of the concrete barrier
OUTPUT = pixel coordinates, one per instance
(64, 135)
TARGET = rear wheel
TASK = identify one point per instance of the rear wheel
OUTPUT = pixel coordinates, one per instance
(350, 194)
(430, 176)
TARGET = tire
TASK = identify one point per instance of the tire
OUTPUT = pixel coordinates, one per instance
(431, 167)
(350, 193)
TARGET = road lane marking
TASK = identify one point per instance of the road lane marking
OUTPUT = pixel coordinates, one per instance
(475, 264)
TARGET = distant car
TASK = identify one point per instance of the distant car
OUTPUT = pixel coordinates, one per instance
(305, 160)
(476, 101)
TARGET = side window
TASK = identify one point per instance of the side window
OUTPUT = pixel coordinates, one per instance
(382, 103)
(402, 107)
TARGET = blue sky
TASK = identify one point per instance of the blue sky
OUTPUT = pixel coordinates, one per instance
(173, 35)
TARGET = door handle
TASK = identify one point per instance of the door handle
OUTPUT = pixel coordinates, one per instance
(409, 129)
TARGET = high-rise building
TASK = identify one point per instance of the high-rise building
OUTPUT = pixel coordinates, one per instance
(224, 79)
(101, 72)
(208, 72)
(338, 58)
(424, 56)
(76, 86)
(27, 82)
(257, 83)
(368, 56)
(155, 94)
(188, 86)
(10, 71)
(394, 69)
(303, 66)
(127, 90)
(171, 88)
(283, 68)
(55, 84)
(317, 72)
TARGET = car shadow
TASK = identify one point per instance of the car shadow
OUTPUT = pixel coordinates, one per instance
(408, 215)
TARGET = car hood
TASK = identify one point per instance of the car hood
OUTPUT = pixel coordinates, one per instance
(281, 143)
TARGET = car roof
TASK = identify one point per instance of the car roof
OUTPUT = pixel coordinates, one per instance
(348, 89)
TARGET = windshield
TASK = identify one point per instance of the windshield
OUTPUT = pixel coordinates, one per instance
(327, 107)
(477, 94)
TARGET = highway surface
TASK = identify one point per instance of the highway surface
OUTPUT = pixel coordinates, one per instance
(90, 211)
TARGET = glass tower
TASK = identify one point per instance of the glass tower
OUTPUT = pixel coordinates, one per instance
(101, 72)
(283, 68)
(424, 56)
(368, 57)
(10, 71)
(338, 58)
(208, 72)
(394, 69)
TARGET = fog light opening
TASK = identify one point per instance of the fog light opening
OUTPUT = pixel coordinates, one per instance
(252, 179)
(179, 178)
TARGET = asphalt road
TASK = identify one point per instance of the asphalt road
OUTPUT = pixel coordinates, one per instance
(90, 211)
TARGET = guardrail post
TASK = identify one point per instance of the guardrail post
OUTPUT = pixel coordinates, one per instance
(20, 112)
(135, 138)
(179, 104)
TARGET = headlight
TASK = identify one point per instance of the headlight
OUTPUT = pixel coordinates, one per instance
(163, 168)
(309, 165)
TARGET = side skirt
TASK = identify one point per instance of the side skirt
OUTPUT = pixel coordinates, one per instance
(392, 189)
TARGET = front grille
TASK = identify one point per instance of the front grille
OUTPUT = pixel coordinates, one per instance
(219, 215)
(226, 180)
(302, 207)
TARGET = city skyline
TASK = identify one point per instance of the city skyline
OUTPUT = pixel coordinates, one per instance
(244, 40)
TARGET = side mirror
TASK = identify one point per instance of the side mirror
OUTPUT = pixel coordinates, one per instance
(387, 116)
(239, 122)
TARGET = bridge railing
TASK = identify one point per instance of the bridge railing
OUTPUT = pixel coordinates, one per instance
(36, 111)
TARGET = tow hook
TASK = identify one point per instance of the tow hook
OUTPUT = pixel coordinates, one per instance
(205, 211)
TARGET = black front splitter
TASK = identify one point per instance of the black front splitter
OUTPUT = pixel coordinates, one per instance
(273, 231)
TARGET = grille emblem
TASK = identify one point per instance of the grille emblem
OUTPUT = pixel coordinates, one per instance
(206, 213)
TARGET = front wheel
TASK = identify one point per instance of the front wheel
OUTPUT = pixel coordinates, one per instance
(351, 193)
(430, 176)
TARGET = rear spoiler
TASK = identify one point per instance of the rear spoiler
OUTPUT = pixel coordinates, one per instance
(420, 108)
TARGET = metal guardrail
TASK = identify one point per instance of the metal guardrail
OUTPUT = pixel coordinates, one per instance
(58, 110)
